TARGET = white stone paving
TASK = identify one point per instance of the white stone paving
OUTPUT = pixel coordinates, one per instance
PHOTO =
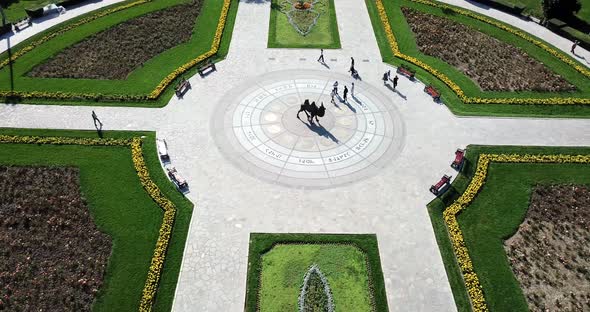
(230, 203)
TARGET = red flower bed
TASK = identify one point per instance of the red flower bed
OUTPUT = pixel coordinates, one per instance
(52, 256)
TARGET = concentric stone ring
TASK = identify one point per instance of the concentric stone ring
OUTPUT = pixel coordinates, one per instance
(257, 128)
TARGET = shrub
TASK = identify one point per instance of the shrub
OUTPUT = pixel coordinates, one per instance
(560, 8)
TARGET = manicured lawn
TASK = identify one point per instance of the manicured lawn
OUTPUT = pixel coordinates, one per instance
(120, 207)
(407, 45)
(277, 264)
(494, 216)
(284, 267)
(531, 7)
(142, 80)
(323, 35)
(15, 10)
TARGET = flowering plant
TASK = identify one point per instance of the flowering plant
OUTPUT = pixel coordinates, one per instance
(454, 86)
(474, 289)
(157, 263)
(153, 95)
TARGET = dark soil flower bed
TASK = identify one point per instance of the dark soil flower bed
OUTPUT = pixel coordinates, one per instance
(494, 65)
(549, 254)
(52, 256)
(117, 51)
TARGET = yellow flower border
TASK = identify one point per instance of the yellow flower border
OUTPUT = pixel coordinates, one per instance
(157, 262)
(455, 87)
(115, 97)
(450, 213)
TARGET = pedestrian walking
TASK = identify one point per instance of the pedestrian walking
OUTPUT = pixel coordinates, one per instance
(96, 120)
(395, 79)
(389, 74)
(335, 89)
(345, 94)
(385, 78)
(351, 70)
(321, 58)
(352, 90)
(574, 46)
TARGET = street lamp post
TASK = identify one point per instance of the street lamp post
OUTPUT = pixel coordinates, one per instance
(8, 49)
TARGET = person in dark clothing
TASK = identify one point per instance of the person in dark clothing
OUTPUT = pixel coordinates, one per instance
(395, 79)
(321, 58)
(345, 93)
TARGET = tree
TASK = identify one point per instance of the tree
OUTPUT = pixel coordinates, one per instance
(560, 8)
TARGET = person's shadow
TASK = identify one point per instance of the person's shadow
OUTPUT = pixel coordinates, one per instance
(321, 131)
(98, 126)
(350, 106)
(396, 91)
(578, 56)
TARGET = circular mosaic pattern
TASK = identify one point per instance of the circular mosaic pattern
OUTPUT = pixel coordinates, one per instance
(256, 126)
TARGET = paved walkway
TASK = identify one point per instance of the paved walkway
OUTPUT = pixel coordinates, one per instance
(42, 24)
(231, 203)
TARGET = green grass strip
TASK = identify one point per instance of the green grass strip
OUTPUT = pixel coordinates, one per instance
(146, 86)
(281, 34)
(461, 94)
(493, 212)
(119, 204)
(261, 243)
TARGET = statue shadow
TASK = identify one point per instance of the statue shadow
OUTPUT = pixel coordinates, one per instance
(321, 131)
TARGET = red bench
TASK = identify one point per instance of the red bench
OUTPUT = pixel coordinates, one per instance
(406, 72)
(457, 164)
(441, 186)
(432, 92)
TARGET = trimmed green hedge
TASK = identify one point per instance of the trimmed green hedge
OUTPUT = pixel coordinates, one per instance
(407, 45)
(324, 34)
(495, 215)
(261, 243)
(141, 81)
(120, 207)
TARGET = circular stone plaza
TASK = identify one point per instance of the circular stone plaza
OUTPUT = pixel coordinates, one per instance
(268, 201)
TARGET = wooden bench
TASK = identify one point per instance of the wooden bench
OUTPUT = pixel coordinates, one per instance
(207, 65)
(406, 72)
(432, 92)
(457, 164)
(441, 186)
(163, 149)
(23, 24)
(181, 88)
